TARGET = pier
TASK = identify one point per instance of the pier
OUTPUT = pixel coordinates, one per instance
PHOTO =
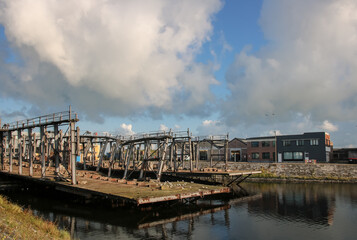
(50, 151)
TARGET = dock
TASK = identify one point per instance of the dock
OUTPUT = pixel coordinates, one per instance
(212, 175)
(93, 185)
(47, 150)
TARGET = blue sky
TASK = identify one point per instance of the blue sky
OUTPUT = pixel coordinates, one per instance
(247, 68)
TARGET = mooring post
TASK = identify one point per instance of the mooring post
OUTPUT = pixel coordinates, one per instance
(190, 151)
(19, 137)
(30, 148)
(73, 151)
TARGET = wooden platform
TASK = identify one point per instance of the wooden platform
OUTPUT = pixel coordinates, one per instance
(92, 184)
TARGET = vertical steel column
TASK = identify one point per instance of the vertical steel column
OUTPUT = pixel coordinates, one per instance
(210, 155)
(9, 140)
(101, 155)
(30, 148)
(127, 158)
(93, 152)
(172, 146)
(161, 163)
(2, 149)
(78, 144)
(73, 151)
(175, 157)
(42, 147)
(137, 156)
(85, 154)
(190, 152)
(197, 152)
(111, 159)
(19, 137)
(56, 150)
(183, 152)
(226, 154)
(145, 159)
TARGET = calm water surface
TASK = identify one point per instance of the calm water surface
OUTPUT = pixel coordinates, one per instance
(274, 211)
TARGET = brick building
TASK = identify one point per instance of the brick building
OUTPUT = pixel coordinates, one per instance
(261, 149)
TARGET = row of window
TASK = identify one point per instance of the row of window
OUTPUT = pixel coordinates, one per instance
(293, 155)
(265, 155)
(286, 155)
(264, 144)
(313, 142)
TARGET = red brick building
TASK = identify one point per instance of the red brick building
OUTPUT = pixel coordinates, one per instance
(261, 149)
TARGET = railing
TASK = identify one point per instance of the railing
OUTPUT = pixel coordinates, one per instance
(42, 120)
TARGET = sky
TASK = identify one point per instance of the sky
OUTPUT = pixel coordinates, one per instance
(244, 68)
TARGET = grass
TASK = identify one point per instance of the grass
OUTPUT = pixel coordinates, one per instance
(16, 223)
(268, 175)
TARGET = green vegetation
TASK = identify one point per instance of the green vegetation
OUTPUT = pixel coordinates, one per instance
(272, 176)
(15, 223)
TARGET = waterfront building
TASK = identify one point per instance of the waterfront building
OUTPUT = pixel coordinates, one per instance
(261, 149)
(312, 146)
(237, 150)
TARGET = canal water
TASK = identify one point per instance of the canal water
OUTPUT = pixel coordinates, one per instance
(271, 211)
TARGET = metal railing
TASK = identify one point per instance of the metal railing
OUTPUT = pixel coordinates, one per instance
(42, 120)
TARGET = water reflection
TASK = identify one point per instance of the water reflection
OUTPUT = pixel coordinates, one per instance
(291, 211)
(299, 202)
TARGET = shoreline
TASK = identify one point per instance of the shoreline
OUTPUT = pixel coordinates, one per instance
(19, 223)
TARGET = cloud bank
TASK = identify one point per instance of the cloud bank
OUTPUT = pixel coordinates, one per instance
(308, 66)
(108, 57)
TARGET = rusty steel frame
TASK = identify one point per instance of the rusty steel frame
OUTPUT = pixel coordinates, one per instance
(27, 145)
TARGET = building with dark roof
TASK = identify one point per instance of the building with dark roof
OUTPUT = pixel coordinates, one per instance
(290, 148)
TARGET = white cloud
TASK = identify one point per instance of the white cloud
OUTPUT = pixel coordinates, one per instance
(177, 126)
(163, 127)
(308, 66)
(207, 123)
(116, 57)
(126, 129)
(328, 127)
(212, 127)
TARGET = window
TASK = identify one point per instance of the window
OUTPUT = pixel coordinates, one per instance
(273, 143)
(299, 142)
(288, 155)
(297, 155)
(286, 143)
(293, 155)
(203, 155)
(266, 155)
(255, 155)
(265, 144)
(255, 144)
(314, 142)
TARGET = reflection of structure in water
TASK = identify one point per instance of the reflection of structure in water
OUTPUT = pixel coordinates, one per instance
(303, 205)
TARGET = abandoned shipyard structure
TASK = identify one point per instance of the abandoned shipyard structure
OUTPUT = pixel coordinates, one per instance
(50, 150)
